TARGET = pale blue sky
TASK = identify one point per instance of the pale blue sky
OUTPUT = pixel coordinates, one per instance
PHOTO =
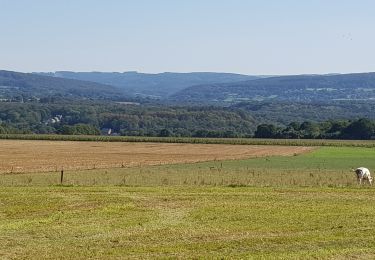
(243, 36)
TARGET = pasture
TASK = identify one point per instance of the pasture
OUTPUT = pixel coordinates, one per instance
(298, 205)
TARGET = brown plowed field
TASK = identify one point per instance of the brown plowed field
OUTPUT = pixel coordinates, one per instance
(33, 156)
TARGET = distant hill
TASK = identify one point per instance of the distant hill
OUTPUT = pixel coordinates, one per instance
(16, 84)
(303, 88)
(152, 85)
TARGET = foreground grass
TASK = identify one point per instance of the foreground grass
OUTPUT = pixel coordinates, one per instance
(300, 207)
(186, 222)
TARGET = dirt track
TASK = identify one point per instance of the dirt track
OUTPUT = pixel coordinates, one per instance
(32, 156)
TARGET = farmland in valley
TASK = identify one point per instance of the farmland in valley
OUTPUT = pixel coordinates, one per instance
(202, 201)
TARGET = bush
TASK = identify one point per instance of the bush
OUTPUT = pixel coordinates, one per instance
(79, 129)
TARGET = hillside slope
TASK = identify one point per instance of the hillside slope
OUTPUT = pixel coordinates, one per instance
(16, 84)
(314, 88)
(152, 85)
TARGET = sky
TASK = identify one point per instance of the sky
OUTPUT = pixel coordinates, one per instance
(255, 37)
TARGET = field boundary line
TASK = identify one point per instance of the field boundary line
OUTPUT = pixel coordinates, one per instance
(188, 140)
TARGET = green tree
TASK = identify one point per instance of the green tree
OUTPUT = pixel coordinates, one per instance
(360, 129)
(266, 131)
(79, 129)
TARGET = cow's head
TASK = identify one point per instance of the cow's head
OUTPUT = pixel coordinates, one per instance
(358, 172)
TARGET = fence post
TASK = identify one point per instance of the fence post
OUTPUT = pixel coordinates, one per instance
(62, 175)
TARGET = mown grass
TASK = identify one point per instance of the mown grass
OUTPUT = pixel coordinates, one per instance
(186, 222)
(235, 141)
(301, 207)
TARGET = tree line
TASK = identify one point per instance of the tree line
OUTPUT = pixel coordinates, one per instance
(361, 129)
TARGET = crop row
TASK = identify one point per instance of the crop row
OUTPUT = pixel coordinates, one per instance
(234, 141)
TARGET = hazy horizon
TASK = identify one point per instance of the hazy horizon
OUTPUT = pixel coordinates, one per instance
(245, 37)
(186, 72)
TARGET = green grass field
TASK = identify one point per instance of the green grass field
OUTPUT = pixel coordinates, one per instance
(301, 207)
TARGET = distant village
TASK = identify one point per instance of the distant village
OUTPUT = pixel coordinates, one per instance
(57, 119)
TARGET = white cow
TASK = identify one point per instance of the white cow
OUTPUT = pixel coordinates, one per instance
(363, 174)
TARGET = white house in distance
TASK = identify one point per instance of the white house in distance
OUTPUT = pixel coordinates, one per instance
(54, 120)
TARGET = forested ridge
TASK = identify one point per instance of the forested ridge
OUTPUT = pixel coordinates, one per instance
(159, 85)
(16, 86)
(299, 88)
(94, 118)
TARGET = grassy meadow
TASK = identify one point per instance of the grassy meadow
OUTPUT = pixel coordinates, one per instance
(306, 206)
(324, 167)
(185, 222)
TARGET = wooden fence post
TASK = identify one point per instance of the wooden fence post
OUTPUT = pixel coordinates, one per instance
(62, 175)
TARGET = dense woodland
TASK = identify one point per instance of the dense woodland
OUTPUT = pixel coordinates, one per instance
(283, 113)
(264, 120)
(361, 129)
(91, 117)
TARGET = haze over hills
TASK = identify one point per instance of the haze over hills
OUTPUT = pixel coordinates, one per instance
(16, 84)
(158, 86)
(303, 88)
(212, 88)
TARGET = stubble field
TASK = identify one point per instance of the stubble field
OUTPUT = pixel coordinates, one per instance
(20, 156)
